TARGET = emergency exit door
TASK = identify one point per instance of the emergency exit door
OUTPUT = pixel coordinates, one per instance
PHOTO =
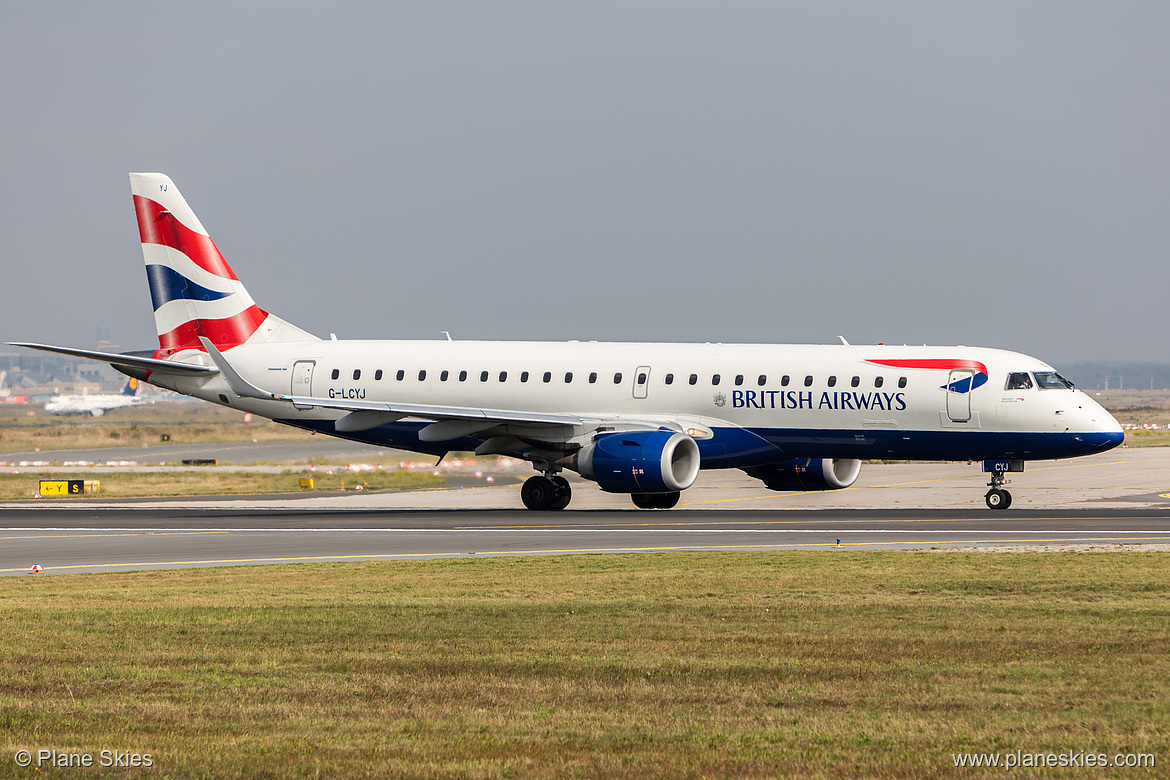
(302, 380)
(641, 381)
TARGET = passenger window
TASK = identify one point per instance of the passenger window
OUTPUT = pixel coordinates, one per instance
(422, 375)
(503, 376)
(617, 378)
(1019, 381)
(483, 375)
(763, 380)
(568, 377)
(443, 376)
(694, 379)
(738, 380)
(462, 376)
(378, 375)
(336, 373)
(401, 375)
(901, 381)
(642, 379)
(523, 376)
(715, 379)
(547, 376)
(784, 381)
(357, 374)
(832, 381)
(808, 381)
(592, 377)
(879, 381)
(855, 381)
(669, 379)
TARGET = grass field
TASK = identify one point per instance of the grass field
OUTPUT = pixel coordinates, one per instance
(1147, 438)
(63, 435)
(680, 665)
(200, 482)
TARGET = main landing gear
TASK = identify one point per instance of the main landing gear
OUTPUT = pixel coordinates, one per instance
(997, 497)
(544, 493)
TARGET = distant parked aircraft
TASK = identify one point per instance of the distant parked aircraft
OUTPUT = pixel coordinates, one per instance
(96, 404)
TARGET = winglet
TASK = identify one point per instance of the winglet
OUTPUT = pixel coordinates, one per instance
(240, 386)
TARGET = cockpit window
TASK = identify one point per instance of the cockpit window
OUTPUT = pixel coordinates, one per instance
(1019, 381)
(1050, 380)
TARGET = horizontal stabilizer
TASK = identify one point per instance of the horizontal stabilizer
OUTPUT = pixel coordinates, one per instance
(115, 359)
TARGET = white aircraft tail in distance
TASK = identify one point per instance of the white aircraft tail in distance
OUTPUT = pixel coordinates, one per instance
(636, 418)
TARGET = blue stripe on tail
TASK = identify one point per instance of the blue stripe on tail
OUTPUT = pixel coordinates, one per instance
(167, 284)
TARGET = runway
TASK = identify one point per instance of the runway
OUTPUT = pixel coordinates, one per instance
(1119, 498)
(82, 540)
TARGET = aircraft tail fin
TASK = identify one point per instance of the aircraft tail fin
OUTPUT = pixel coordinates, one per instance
(131, 387)
(194, 291)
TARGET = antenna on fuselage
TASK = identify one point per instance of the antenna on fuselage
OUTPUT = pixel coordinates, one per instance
(843, 341)
(447, 333)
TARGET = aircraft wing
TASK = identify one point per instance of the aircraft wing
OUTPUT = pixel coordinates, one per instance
(435, 412)
(116, 359)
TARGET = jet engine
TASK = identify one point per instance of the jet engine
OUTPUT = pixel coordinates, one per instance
(659, 461)
(807, 474)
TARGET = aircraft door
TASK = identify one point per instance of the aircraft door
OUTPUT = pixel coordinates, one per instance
(959, 384)
(641, 381)
(302, 380)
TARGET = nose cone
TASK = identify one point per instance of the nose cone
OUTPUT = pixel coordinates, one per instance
(1100, 442)
(1104, 432)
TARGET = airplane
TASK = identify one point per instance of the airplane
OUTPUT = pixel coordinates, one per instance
(97, 404)
(635, 418)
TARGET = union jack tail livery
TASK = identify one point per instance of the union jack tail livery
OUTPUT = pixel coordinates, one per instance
(194, 291)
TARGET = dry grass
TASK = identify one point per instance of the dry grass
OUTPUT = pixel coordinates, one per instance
(1139, 407)
(198, 482)
(72, 436)
(1147, 438)
(183, 423)
(745, 665)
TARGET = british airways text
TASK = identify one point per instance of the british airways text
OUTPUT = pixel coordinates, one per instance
(796, 399)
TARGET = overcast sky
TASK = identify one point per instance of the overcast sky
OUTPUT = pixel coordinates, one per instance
(949, 173)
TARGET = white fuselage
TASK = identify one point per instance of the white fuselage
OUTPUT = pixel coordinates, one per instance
(744, 403)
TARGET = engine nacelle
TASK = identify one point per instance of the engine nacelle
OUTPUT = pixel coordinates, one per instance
(640, 462)
(808, 474)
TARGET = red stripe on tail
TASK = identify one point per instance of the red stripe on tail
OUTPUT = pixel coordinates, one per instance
(224, 334)
(156, 225)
